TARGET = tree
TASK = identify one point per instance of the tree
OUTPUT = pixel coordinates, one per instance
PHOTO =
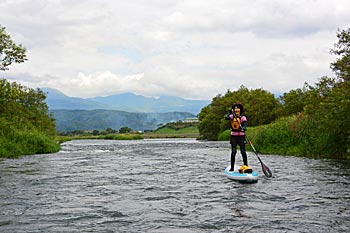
(9, 51)
(339, 99)
(26, 125)
(125, 129)
(327, 121)
(25, 107)
(341, 66)
(95, 132)
(292, 102)
(108, 131)
(209, 124)
(260, 108)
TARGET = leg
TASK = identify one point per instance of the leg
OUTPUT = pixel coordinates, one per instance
(243, 151)
(244, 156)
(233, 142)
(233, 156)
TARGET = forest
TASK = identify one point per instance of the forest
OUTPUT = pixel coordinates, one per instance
(312, 121)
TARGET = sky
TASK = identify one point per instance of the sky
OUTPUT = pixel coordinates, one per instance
(192, 49)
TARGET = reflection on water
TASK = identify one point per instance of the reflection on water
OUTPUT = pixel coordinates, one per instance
(168, 186)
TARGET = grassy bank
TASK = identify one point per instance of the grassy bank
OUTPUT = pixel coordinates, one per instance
(170, 130)
(116, 136)
(274, 138)
(167, 132)
(26, 143)
(287, 136)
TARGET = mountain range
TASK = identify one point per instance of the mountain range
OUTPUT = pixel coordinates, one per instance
(124, 102)
(134, 111)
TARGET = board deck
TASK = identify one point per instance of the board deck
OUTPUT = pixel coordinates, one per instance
(241, 177)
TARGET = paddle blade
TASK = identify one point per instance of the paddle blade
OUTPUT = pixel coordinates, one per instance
(266, 170)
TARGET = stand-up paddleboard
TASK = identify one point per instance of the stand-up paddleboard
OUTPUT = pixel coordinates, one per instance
(243, 177)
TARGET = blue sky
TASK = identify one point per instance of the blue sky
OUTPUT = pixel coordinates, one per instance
(193, 49)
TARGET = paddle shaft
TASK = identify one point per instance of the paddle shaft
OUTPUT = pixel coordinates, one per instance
(265, 169)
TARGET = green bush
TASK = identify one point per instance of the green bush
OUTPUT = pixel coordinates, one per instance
(224, 136)
(278, 137)
(26, 143)
(319, 140)
(299, 135)
(127, 137)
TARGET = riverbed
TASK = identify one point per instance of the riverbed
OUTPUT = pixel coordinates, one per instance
(169, 185)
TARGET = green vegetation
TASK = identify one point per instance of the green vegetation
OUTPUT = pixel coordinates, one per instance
(170, 130)
(124, 133)
(311, 121)
(260, 108)
(279, 137)
(26, 127)
(115, 136)
(124, 136)
(175, 130)
(9, 51)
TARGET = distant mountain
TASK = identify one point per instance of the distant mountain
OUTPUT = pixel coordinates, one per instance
(124, 102)
(70, 120)
(138, 103)
(57, 100)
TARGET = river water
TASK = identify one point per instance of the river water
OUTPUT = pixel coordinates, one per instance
(175, 185)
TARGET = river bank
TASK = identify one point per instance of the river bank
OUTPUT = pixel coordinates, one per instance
(163, 132)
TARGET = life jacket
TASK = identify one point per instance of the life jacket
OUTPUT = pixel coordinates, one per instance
(245, 169)
(235, 124)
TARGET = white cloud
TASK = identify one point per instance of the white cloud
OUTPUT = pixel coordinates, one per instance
(193, 49)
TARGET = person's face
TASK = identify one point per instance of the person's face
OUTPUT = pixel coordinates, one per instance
(237, 111)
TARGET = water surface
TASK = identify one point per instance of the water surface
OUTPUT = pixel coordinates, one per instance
(169, 186)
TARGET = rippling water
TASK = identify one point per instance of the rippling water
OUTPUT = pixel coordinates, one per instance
(169, 186)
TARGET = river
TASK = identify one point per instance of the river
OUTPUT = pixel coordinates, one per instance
(174, 185)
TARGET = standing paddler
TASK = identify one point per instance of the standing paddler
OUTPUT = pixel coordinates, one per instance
(238, 127)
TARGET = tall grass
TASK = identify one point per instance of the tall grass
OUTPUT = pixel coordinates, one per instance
(18, 143)
(114, 136)
(298, 135)
(123, 136)
(278, 137)
(167, 132)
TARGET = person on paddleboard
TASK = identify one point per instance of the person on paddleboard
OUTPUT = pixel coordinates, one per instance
(238, 127)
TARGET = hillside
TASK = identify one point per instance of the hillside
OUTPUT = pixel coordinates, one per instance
(175, 130)
(70, 120)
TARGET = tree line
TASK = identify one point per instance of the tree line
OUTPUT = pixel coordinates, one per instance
(315, 118)
(25, 123)
(96, 132)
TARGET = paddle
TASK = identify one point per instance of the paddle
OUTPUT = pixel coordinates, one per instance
(265, 168)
